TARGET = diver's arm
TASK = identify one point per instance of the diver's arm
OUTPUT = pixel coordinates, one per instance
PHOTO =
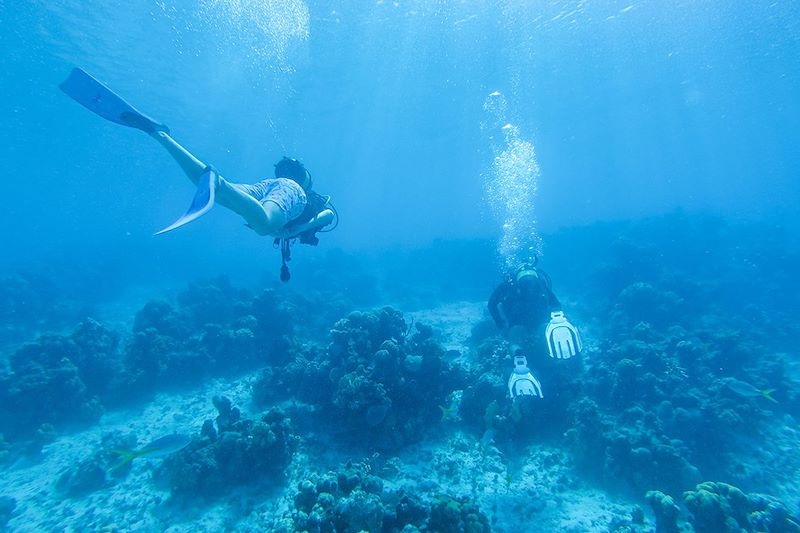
(323, 218)
(191, 166)
(552, 301)
(547, 285)
(494, 305)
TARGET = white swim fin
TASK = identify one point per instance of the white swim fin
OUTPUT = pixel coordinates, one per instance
(563, 339)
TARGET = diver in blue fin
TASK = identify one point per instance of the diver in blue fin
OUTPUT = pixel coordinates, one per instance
(284, 207)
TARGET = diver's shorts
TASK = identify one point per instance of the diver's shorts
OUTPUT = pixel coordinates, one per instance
(287, 194)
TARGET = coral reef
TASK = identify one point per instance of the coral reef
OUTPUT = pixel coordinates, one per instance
(454, 515)
(648, 408)
(723, 508)
(214, 330)
(233, 451)
(306, 377)
(351, 500)
(96, 356)
(45, 385)
(659, 406)
(380, 382)
(665, 510)
(388, 382)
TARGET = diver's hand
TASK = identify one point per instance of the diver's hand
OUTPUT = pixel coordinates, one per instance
(309, 237)
(563, 339)
(286, 232)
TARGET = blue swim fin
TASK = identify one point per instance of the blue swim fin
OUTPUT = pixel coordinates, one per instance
(203, 201)
(101, 100)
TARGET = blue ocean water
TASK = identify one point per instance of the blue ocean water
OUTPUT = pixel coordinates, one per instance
(643, 152)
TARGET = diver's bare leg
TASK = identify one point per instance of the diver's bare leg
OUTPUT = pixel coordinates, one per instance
(264, 219)
(191, 166)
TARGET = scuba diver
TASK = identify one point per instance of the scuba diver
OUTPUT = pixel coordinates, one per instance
(523, 303)
(284, 207)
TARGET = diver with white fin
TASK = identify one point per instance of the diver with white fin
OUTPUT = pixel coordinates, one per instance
(284, 207)
(521, 304)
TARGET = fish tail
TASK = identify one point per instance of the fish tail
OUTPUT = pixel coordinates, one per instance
(126, 456)
(766, 393)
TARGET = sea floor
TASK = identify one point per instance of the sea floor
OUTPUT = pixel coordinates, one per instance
(538, 490)
(540, 487)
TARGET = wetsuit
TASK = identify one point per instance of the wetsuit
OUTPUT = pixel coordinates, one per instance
(526, 303)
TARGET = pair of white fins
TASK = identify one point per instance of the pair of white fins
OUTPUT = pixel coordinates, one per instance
(101, 100)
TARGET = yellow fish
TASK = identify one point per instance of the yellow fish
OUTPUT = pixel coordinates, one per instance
(750, 391)
(160, 447)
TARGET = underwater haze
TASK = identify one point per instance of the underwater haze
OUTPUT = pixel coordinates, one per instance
(633, 109)
(644, 154)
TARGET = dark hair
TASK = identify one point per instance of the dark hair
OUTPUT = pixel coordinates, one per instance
(294, 170)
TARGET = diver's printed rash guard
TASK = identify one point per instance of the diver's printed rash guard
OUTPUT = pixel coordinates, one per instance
(315, 205)
(519, 309)
(285, 193)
